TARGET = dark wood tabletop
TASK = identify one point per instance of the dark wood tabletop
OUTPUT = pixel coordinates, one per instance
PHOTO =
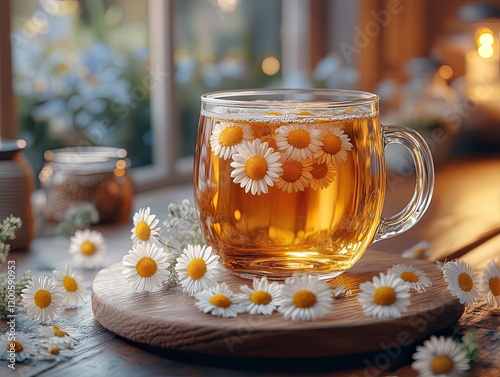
(463, 221)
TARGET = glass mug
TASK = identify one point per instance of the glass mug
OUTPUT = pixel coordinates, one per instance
(293, 181)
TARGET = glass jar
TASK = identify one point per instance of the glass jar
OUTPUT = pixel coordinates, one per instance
(95, 175)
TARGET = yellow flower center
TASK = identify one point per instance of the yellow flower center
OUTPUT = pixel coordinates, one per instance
(220, 300)
(70, 284)
(59, 333)
(42, 298)
(299, 138)
(384, 296)
(465, 282)
(143, 231)
(319, 171)
(260, 298)
(441, 364)
(54, 350)
(409, 276)
(332, 144)
(292, 170)
(88, 248)
(146, 267)
(494, 284)
(304, 299)
(231, 136)
(256, 168)
(18, 347)
(197, 268)
(419, 251)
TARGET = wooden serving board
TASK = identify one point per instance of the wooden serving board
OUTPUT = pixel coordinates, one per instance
(169, 319)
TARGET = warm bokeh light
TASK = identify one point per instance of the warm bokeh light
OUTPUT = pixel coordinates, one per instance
(445, 72)
(485, 41)
(227, 5)
(485, 51)
(270, 65)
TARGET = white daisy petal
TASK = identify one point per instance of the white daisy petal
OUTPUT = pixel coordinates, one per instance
(440, 357)
(299, 141)
(42, 299)
(88, 248)
(62, 337)
(386, 296)
(462, 281)
(491, 284)
(262, 298)
(146, 229)
(414, 277)
(305, 298)
(226, 136)
(335, 144)
(219, 301)
(146, 267)
(71, 285)
(420, 250)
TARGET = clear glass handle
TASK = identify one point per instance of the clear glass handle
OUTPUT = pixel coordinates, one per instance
(424, 184)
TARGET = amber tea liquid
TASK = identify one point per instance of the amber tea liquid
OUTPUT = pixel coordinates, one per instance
(281, 193)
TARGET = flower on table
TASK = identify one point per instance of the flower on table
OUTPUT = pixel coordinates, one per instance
(54, 352)
(219, 301)
(262, 298)
(462, 281)
(146, 227)
(386, 296)
(491, 284)
(42, 299)
(88, 247)
(305, 298)
(298, 141)
(420, 250)
(414, 277)
(145, 267)
(335, 146)
(21, 345)
(340, 291)
(71, 285)
(227, 136)
(197, 268)
(57, 336)
(256, 167)
(440, 357)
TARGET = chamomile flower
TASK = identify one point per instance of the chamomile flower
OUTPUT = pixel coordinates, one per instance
(146, 227)
(54, 352)
(305, 298)
(71, 285)
(145, 267)
(420, 250)
(42, 299)
(491, 284)
(256, 167)
(462, 281)
(335, 146)
(299, 141)
(88, 248)
(322, 175)
(56, 335)
(414, 277)
(17, 345)
(440, 357)
(262, 298)
(386, 296)
(227, 136)
(197, 268)
(296, 175)
(218, 301)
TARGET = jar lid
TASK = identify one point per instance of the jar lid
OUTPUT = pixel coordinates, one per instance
(9, 148)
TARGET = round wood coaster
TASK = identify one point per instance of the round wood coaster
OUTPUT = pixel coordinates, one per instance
(169, 318)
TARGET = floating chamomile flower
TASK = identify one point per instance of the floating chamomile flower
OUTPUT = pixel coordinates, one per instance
(88, 247)
(305, 298)
(440, 357)
(299, 141)
(197, 268)
(71, 285)
(256, 167)
(145, 267)
(491, 284)
(414, 277)
(227, 136)
(386, 296)
(218, 301)
(42, 299)
(146, 227)
(420, 250)
(335, 146)
(296, 175)
(18, 346)
(56, 335)
(262, 298)
(462, 281)
(322, 175)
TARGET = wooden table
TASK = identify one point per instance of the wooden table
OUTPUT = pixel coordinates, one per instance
(463, 221)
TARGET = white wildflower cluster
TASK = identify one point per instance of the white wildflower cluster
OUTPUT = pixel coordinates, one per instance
(8, 228)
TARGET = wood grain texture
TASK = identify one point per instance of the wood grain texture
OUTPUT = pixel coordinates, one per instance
(169, 319)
